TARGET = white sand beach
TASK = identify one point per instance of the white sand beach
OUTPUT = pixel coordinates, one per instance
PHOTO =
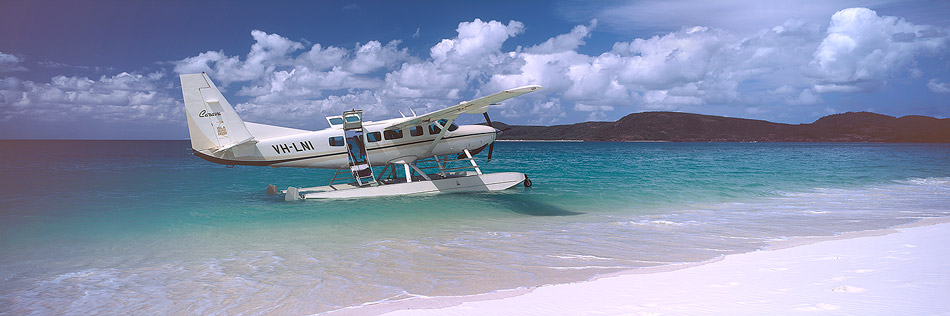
(899, 271)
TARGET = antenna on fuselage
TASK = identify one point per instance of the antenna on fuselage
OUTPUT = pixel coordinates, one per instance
(400, 113)
(413, 112)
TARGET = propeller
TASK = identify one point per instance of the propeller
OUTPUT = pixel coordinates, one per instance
(491, 146)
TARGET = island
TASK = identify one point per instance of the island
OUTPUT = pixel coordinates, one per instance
(689, 127)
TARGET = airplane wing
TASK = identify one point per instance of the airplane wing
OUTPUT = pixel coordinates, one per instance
(476, 106)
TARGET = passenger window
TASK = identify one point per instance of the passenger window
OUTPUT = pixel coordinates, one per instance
(336, 141)
(373, 137)
(415, 131)
(434, 129)
(393, 134)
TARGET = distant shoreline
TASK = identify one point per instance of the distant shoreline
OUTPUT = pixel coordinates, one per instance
(580, 141)
(690, 127)
(541, 140)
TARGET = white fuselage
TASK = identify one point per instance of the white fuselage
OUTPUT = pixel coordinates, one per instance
(314, 149)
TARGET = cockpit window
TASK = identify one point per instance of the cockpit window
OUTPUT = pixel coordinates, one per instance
(336, 121)
(452, 127)
(434, 129)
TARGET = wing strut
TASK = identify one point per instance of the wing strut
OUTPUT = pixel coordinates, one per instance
(444, 129)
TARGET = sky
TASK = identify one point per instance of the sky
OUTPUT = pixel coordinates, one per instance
(109, 69)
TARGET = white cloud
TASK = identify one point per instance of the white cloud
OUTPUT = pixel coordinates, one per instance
(453, 65)
(476, 40)
(268, 52)
(596, 112)
(565, 42)
(10, 63)
(675, 58)
(373, 56)
(686, 70)
(743, 16)
(683, 69)
(806, 97)
(591, 108)
(124, 96)
(938, 87)
(319, 58)
(862, 49)
(695, 69)
(279, 78)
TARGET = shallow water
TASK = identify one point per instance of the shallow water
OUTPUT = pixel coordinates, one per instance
(144, 227)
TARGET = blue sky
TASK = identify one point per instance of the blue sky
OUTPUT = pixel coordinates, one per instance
(109, 69)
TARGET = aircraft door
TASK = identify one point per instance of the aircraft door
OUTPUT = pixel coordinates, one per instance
(356, 148)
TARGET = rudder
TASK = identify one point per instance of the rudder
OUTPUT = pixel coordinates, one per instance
(213, 125)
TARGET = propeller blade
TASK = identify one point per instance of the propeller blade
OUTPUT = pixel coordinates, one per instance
(491, 146)
(477, 150)
(473, 152)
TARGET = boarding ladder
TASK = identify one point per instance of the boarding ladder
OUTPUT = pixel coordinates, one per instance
(360, 168)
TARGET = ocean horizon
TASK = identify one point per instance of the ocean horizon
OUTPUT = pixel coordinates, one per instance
(145, 227)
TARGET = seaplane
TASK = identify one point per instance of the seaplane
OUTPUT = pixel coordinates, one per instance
(435, 154)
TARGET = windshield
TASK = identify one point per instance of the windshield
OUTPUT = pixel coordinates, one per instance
(452, 127)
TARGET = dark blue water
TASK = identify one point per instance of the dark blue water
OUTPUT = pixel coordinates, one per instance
(143, 226)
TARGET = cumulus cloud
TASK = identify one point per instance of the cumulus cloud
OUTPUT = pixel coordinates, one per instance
(281, 78)
(805, 97)
(862, 49)
(742, 16)
(373, 56)
(686, 70)
(268, 52)
(454, 64)
(10, 63)
(565, 42)
(320, 58)
(120, 97)
(938, 87)
(694, 68)
(595, 112)
(476, 40)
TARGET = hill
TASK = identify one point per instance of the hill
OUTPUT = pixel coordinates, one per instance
(688, 127)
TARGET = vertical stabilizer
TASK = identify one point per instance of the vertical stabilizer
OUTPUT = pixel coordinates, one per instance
(212, 122)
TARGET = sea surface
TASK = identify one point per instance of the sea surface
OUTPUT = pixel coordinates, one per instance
(144, 227)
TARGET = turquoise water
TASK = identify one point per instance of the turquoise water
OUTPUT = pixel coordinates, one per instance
(144, 227)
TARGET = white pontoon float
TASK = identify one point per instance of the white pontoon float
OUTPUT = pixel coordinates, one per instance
(436, 174)
(447, 179)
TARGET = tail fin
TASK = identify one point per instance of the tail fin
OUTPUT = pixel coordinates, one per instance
(213, 124)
